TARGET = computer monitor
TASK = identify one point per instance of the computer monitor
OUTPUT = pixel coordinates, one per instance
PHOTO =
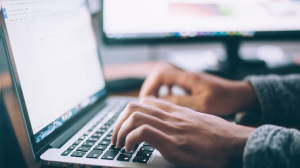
(138, 21)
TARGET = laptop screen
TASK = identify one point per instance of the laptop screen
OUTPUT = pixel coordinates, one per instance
(55, 52)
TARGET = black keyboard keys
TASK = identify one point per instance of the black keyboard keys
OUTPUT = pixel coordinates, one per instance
(146, 144)
(82, 137)
(110, 134)
(104, 127)
(72, 147)
(90, 144)
(113, 147)
(83, 148)
(136, 146)
(101, 131)
(94, 154)
(107, 138)
(147, 148)
(124, 157)
(77, 142)
(92, 139)
(130, 152)
(143, 153)
(100, 147)
(87, 133)
(104, 143)
(66, 153)
(110, 155)
(140, 159)
(96, 135)
(78, 154)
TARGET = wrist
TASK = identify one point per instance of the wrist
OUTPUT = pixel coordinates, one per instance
(239, 141)
(247, 96)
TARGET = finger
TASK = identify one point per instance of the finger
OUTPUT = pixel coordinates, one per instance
(151, 85)
(173, 77)
(153, 136)
(158, 103)
(185, 101)
(136, 120)
(133, 107)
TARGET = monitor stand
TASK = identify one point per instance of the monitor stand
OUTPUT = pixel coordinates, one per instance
(234, 63)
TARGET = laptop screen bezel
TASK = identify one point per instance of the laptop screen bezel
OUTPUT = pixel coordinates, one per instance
(43, 145)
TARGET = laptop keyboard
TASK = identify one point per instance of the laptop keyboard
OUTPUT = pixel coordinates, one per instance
(94, 145)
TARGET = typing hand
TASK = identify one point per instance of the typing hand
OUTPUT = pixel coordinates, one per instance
(207, 93)
(182, 136)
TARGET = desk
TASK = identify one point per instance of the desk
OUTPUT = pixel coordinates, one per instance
(111, 72)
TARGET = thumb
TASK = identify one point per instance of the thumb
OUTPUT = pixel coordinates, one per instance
(185, 101)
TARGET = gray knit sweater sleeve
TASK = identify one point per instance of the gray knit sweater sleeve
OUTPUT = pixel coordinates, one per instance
(271, 146)
(278, 96)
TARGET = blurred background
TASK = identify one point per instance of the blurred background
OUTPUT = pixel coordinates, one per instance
(240, 49)
(193, 55)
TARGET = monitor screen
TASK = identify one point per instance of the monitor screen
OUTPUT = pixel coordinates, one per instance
(128, 19)
(56, 56)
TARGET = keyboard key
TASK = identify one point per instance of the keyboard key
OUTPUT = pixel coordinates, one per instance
(108, 138)
(104, 127)
(140, 159)
(143, 153)
(147, 148)
(104, 143)
(110, 155)
(83, 148)
(146, 144)
(92, 139)
(94, 154)
(101, 131)
(96, 135)
(130, 152)
(78, 154)
(107, 125)
(110, 122)
(114, 118)
(72, 147)
(136, 146)
(110, 134)
(124, 157)
(77, 142)
(87, 133)
(66, 153)
(100, 147)
(113, 147)
(90, 144)
(82, 137)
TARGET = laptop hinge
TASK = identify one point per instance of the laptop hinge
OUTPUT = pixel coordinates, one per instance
(69, 133)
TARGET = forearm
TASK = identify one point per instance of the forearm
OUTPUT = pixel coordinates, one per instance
(278, 97)
(272, 146)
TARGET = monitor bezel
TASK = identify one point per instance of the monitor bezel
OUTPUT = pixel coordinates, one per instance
(260, 36)
(38, 148)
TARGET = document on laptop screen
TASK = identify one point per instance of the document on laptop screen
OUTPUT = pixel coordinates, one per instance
(56, 57)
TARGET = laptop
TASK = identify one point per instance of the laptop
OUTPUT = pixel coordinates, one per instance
(57, 75)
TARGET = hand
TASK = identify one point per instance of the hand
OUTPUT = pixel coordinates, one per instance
(208, 93)
(182, 136)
